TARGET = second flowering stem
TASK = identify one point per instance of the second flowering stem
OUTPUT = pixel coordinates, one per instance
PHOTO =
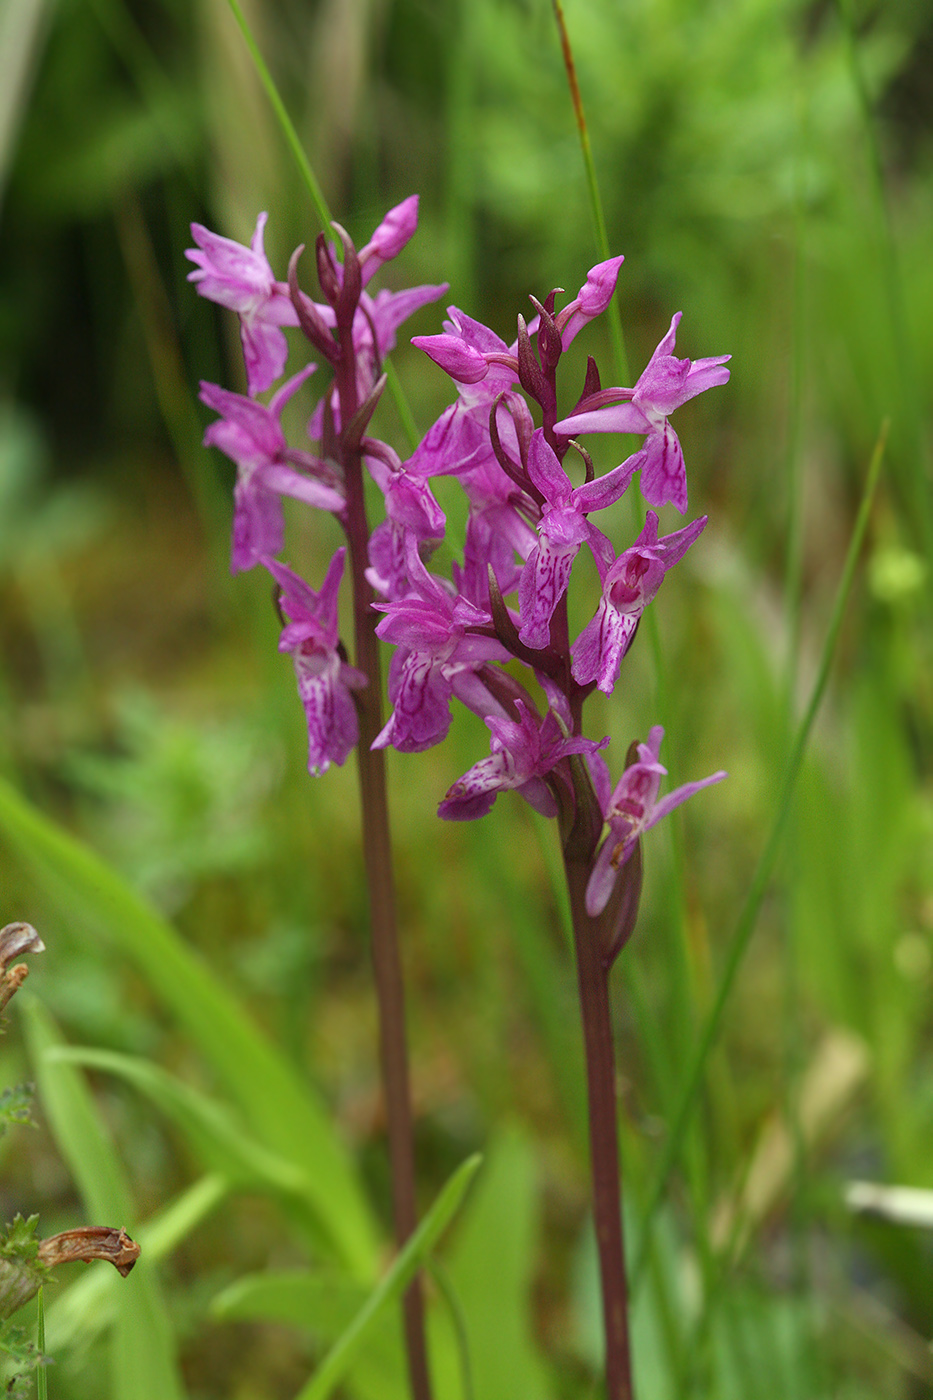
(392, 1039)
(377, 853)
(594, 964)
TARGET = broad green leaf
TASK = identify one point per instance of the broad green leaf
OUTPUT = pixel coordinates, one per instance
(142, 1349)
(492, 1268)
(393, 1284)
(69, 1108)
(282, 1111)
(324, 1305)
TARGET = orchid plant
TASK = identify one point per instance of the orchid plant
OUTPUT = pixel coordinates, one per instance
(505, 441)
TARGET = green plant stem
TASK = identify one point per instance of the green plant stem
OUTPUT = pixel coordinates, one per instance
(377, 854)
(593, 970)
(793, 464)
(42, 1380)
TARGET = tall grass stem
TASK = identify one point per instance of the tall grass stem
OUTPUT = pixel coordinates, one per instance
(762, 876)
(460, 177)
(593, 969)
(596, 204)
(793, 465)
(42, 1380)
(284, 120)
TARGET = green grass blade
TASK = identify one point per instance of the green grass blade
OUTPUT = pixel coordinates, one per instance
(42, 1380)
(211, 1129)
(143, 1361)
(592, 184)
(317, 194)
(393, 1284)
(762, 876)
(284, 120)
(72, 1115)
(305, 1298)
(323, 1304)
(282, 1112)
(458, 1328)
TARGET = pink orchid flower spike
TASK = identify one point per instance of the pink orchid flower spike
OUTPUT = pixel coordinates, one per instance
(325, 681)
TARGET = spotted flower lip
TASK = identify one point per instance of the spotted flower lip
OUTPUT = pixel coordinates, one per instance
(629, 585)
(522, 753)
(439, 655)
(665, 384)
(325, 681)
(562, 530)
(241, 279)
(630, 810)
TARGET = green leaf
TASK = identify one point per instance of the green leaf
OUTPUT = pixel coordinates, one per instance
(18, 1240)
(323, 1304)
(318, 1301)
(143, 1361)
(15, 1105)
(492, 1268)
(393, 1284)
(281, 1110)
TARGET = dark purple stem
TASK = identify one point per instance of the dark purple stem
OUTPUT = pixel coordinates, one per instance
(377, 852)
(593, 968)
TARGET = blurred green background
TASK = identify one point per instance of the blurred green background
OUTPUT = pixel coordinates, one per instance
(767, 168)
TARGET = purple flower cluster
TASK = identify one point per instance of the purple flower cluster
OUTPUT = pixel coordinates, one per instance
(505, 441)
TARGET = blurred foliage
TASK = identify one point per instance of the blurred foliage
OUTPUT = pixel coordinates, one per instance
(15, 1105)
(180, 801)
(766, 167)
